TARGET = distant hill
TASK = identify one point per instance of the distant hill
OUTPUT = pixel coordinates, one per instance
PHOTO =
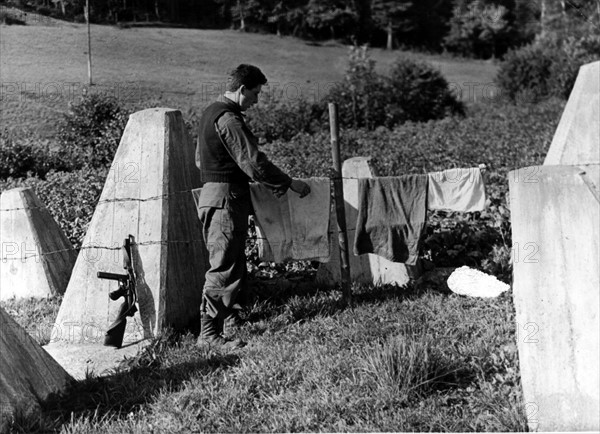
(44, 67)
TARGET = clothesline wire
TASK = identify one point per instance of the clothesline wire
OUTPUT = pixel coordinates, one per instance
(100, 247)
(167, 195)
(147, 243)
(117, 199)
(115, 248)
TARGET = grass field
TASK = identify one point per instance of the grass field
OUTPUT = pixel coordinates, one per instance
(419, 359)
(42, 68)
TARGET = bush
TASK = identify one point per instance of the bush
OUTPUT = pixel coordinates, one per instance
(415, 91)
(275, 118)
(525, 73)
(70, 197)
(421, 92)
(88, 136)
(91, 131)
(26, 156)
(574, 53)
(9, 19)
(363, 96)
(19, 157)
(546, 68)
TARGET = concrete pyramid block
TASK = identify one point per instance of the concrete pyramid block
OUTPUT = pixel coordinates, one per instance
(28, 375)
(577, 137)
(365, 269)
(37, 258)
(147, 194)
(555, 233)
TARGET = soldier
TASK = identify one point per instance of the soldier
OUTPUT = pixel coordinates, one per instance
(228, 158)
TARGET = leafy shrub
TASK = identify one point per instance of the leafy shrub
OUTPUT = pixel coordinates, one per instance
(70, 197)
(88, 135)
(19, 157)
(575, 52)
(276, 118)
(9, 19)
(363, 96)
(546, 68)
(415, 91)
(421, 92)
(92, 130)
(525, 73)
(27, 156)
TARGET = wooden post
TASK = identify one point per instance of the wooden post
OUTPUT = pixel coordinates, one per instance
(89, 35)
(338, 195)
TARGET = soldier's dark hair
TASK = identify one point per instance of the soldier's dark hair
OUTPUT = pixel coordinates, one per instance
(247, 75)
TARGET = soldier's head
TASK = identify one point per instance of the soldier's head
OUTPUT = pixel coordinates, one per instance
(245, 84)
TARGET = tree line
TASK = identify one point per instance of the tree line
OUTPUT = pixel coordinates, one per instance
(475, 28)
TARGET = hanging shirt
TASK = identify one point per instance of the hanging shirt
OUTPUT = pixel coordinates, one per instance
(290, 228)
(460, 190)
(391, 217)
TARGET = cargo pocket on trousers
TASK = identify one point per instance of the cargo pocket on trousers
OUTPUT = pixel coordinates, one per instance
(234, 217)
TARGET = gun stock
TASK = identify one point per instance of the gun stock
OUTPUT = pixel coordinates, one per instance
(116, 331)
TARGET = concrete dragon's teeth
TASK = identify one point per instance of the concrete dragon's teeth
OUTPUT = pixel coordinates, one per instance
(37, 258)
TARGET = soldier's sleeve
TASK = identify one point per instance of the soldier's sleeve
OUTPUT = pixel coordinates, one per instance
(242, 145)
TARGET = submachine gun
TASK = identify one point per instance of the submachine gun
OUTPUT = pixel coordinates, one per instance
(116, 331)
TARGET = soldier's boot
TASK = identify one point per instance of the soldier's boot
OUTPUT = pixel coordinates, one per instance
(211, 330)
(232, 322)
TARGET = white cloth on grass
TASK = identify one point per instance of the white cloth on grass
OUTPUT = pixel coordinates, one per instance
(474, 283)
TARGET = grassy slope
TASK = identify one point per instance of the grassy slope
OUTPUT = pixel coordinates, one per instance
(174, 67)
(398, 361)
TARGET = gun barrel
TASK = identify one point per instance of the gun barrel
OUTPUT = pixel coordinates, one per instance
(112, 276)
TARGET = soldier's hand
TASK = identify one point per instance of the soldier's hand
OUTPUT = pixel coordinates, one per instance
(300, 187)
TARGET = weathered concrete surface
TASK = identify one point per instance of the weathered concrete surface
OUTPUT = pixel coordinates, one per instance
(148, 195)
(28, 375)
(555, 232)
(364, 269)
(577, 137)
(37, 258)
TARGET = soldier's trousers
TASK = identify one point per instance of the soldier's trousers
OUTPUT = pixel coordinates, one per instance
(224, 228)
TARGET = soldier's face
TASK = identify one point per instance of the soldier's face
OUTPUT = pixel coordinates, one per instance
(249, 97)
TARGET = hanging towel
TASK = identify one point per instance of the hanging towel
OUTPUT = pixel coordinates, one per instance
(391, 217)
(290, 228)
(456, 190)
